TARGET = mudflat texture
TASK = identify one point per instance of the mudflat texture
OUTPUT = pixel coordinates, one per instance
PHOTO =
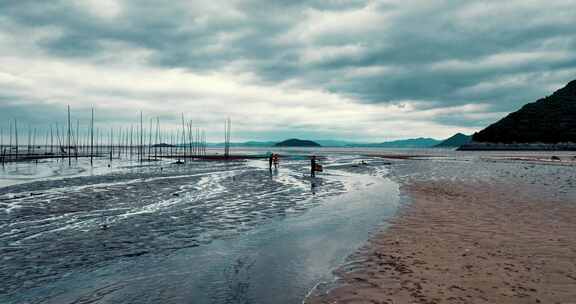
(472, 232)
(204, 232)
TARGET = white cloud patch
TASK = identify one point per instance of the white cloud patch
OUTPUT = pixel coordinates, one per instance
(105, 9)
(320, 23)
(504, 60)
(327, 53)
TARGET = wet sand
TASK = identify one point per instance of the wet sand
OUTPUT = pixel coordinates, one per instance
(471, 232)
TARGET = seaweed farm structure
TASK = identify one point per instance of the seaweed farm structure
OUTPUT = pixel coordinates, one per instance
(143, 141)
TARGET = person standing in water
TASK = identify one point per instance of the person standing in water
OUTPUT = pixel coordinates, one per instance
(270, 161)
(313, 166)
(276, 160)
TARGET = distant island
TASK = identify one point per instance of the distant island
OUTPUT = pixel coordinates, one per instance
(294, 142)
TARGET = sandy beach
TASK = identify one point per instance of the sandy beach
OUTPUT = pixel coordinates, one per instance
(470, 231)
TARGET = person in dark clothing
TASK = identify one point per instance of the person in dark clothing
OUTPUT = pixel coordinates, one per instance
(270, 161)
(313, 166)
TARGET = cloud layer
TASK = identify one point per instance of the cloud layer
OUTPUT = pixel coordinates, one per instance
(360, 70)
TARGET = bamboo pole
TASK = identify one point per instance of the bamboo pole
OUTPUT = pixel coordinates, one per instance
(226, 136)
(229, 134)
(126, 142)
(58, 137)
(69, 156)
(16, 136)
(197, 141)
(102, 147)
(46, 141)
(150, 139)
(119, 142)
(160, 139)
(77, 138)
(111, 145)
(156, 139)
(51, 140)
(10, 147)
(190, 138)
(184, 136)
(131, 133)
(92, 138)
(34, 141)
(141, 137)
(2, 145)
(29, 139)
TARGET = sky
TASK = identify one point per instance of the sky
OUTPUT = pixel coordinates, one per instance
(355, 70)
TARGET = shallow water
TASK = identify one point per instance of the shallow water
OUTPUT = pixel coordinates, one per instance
(206, 232)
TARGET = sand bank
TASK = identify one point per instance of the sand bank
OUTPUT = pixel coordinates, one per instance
(505, 238)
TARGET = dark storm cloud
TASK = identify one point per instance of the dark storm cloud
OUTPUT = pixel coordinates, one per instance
(181, 37)
(446, 53)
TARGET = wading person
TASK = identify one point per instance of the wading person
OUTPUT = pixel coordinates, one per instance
(276, 160)
(270, 159)
(313, 166)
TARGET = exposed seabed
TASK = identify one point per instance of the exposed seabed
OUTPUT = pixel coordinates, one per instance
(203, 232)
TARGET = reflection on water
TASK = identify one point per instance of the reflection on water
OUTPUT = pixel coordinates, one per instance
(22, 172)
(206, 232)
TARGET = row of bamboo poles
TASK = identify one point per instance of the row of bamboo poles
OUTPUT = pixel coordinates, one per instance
(136, 142)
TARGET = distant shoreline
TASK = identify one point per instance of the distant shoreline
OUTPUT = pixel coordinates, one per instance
(517, 147)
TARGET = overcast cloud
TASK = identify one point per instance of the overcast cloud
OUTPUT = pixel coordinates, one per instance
(347, 69)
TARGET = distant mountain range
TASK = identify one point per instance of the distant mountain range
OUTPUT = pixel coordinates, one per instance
(334, 143)
(549, 120)
(255, 144)
(403, 143)
(455, 141)
(247, 144)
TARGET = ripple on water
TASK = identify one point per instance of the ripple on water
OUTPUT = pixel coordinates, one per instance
(82, 223)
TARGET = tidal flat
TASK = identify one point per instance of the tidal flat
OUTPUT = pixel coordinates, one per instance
(203, 232)
(383, 226)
